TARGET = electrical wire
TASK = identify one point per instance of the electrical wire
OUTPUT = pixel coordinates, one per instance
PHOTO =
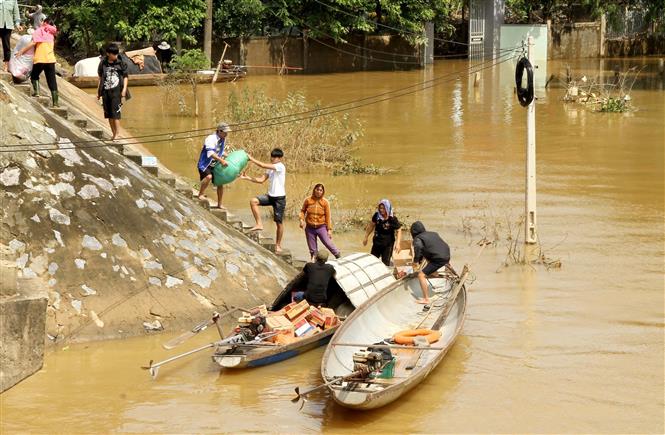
(329, 6)
(371, 59)
(174, 135)
(318, 112)
(267, 121)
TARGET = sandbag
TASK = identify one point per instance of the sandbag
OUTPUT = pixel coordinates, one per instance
(21, 66)
(237, 160)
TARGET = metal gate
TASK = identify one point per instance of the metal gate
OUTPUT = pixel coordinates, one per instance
(477, 29)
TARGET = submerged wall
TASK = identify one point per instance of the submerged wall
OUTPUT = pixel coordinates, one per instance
(265, 55)
(22, 327)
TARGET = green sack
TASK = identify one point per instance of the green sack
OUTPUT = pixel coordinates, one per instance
(237, 160)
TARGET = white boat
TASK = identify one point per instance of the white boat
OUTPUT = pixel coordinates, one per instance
(392, 310)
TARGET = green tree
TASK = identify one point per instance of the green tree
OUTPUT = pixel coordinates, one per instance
(89, 23)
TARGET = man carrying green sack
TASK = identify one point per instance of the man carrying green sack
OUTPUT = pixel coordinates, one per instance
(211, 154)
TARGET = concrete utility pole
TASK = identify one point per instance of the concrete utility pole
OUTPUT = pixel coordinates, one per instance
(207, 31)
(530, 235)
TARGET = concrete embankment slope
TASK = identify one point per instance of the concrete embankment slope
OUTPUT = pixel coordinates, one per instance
(108, 245)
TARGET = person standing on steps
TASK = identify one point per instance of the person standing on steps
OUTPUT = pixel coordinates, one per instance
(315, 219)
(211, 154)
(10, 19)
(276, 196)
(387, 232)
(43, 40)
(112, 86)
(430, 246)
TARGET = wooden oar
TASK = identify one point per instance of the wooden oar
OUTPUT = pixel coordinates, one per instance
(202, 326)
(154, 367)
(233, 340)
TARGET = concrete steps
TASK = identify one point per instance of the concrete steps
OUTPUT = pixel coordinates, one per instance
(44, 100)
(6, 77)
(25, 88)
(96, 132)
(151, 165)
(62, 112)
(79, 122)
(165, 177)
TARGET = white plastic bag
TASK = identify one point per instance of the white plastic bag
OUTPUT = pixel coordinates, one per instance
(20, 66)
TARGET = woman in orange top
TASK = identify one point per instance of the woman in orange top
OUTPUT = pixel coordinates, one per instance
(315, 219)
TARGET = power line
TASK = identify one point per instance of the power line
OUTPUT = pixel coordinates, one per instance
(371, 59)
(319, 112)
(172, 135)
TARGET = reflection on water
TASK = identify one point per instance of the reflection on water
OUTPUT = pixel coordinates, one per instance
(573, 350)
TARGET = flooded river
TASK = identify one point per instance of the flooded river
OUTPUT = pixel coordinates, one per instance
(575, 349)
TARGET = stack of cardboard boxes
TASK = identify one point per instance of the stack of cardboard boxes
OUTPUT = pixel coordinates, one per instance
(294, 321)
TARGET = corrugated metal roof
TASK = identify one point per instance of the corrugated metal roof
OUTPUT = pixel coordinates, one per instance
(361, 276)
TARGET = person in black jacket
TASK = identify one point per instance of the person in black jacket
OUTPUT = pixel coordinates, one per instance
(318, 276)
(430, 246)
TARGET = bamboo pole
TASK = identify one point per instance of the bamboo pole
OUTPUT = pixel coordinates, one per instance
(219, 64)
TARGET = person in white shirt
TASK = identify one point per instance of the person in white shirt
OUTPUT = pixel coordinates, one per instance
(212, 153)
(276, 196)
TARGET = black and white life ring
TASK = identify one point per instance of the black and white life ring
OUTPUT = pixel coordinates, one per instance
(524, 95)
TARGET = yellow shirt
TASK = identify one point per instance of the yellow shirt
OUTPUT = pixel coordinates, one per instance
(44, 53)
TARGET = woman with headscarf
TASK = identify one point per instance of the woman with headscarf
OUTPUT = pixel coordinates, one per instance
(43, 40)
(387, 232)
(315, 219)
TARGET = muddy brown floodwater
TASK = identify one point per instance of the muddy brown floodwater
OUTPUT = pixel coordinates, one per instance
(575, 349)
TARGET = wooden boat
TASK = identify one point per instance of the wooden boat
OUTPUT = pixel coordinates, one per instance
(392, 310)
(358, 278)
(154, 79)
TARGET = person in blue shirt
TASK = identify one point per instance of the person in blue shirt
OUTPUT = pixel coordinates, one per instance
(213, 153)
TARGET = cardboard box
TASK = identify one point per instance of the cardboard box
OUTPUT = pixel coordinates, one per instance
(330, 322)
(275, 322)
(404, 256)
(280, 312)
(297, 310)
(314, 330)
(302, 328)
(316, 317)
(301, 317)
(259, 310)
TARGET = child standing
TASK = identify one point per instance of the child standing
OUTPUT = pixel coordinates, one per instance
(276, 196)
(112, 86)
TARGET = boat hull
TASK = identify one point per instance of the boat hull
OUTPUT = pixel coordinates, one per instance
(270, 355)
(381, 317)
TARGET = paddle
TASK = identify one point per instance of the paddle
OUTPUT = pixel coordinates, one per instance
(233, 340)
(202, 326)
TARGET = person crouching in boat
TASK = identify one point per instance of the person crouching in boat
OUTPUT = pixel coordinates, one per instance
(318, 275)
(430, 246)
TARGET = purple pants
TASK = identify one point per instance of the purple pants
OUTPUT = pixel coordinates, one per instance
(322, 233)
